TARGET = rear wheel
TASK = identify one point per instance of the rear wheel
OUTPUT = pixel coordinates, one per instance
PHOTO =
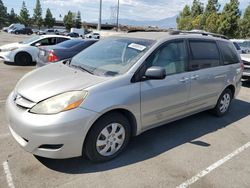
(23, 58)
(223, 104)
(107, 138)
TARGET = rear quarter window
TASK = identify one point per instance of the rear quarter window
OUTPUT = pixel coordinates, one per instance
(204, 54)
(229, 53)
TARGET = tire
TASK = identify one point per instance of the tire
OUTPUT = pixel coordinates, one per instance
(117, 140)
(23, 58)
(221, 107)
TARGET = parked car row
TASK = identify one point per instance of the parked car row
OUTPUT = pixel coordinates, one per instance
(25, 52)
(63, 51)
(242, 45)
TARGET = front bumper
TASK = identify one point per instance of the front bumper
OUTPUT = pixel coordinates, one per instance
(6, 56)
(35, 133)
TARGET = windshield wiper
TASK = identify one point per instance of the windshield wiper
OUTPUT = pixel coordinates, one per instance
(82, 68)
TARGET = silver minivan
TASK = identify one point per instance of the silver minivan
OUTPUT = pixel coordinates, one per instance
(120, 87)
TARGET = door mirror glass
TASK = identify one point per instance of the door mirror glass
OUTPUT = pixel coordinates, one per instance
(155, 73)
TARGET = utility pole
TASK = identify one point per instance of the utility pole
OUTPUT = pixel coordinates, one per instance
(117, 17)
(100, 17)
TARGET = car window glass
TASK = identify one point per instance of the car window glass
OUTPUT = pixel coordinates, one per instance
(229, 53)
(59, 40)
(48, 41)
(204, 54)
(172, 57)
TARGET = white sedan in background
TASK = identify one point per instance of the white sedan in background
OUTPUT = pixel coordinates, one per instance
(26, 52)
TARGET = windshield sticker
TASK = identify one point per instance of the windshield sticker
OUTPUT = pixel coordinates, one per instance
(137, 47)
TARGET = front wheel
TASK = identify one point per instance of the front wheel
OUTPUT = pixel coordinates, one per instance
(107, 138)
(23, 58)
(223, 104)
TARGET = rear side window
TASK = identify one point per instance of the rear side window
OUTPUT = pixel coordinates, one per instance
(229, 54)
(69, 43)
(204, 54)
(59, 40)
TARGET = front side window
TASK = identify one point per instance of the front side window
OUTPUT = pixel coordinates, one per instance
(48, 41)
(230, 55)
(172, 57)
(112, 56)
(204, 54)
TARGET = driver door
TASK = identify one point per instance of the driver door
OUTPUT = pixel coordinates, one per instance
(165, 100)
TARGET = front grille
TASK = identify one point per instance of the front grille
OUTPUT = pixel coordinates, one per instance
(51, 146)
(23, 102)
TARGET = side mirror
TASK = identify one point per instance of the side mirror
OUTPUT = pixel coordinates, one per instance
(38, 44)
(155, 73)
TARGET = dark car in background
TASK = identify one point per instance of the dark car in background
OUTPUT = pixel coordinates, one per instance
(73, 35)
(25, 31)
(63, 51)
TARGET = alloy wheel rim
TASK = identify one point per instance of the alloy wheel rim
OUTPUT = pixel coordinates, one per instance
(225, 102)
(110, 139)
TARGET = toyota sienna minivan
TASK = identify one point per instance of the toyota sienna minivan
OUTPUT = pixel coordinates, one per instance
(120, 87)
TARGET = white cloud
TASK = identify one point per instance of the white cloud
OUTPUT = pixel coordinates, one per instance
(130, 9)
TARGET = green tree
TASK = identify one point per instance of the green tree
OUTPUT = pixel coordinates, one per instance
(37, 16)
(49, 21)
(197, 8)
(78, 22)
(244, 29)
(13, 17)
(212, 23)
(68, 20)
(184, 20)
(196, 22)
(229, 19)
(211, 9)
(24, 16)
(3, 14)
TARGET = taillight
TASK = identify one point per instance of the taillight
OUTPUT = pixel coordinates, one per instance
(52, 57)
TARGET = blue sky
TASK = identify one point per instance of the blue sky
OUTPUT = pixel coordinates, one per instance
(130, 9)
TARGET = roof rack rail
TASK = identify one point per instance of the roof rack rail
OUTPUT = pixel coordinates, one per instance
(177, 32)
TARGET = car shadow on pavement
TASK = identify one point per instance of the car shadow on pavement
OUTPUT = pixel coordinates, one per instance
(156, 141)
(14, 64)
(246, 84)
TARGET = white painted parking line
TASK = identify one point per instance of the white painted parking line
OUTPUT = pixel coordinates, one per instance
(8, 174)
(4, 135)
(213, 166)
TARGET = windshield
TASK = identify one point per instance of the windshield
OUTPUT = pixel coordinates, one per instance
(29, 40)
(112, 56)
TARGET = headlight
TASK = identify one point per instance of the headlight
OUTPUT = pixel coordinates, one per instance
(60, 103)
(8, 49)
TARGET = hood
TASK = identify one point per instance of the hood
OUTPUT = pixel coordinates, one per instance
(245, 57)
(11, 45)
(54, 79)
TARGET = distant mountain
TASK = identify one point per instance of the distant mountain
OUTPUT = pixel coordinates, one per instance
(164, 23)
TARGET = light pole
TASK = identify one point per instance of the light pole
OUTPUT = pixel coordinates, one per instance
(117, 17)
(100, 17)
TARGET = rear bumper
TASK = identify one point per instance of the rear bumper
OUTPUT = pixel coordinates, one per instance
(53, 136)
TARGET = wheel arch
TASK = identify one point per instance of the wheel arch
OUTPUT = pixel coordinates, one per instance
(128, 114)
(232, 88)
